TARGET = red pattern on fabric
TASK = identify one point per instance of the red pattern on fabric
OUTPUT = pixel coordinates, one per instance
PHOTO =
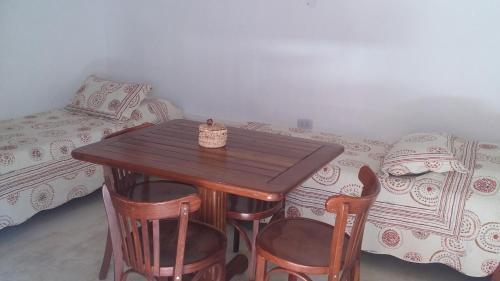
(6, 158)
(485, 186)
(293, 212)
(413, 257)
(444, 257)
(444, 217)
(488, 146)
(397, 185)
(488, 237)
(5, 221)
(489, 266)
(390, 238)
(77, 191)
(109, 99)
(12, 198)
(328, 175)
(61, 148)
(422, 235)
(454, 245)
(469, 226)
(8, 147)
(42, 197)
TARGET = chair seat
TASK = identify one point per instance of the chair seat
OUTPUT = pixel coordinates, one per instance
(159, 191)
(244, 208)
(202, 241)
(299, 241)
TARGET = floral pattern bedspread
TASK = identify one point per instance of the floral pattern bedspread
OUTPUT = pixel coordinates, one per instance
(37, 171)
(449, 218)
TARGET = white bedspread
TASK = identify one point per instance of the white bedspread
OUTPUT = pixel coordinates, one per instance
(37, 171)
(449, 218)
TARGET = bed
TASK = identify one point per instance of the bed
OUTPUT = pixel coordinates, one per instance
(450, 218)
(37, 171)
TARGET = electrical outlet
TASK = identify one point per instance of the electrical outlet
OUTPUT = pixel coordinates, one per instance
(311, 3)
(306, 124)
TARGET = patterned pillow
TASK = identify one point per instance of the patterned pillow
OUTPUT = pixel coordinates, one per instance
(421, 153)
(155, 110)
(109, 99)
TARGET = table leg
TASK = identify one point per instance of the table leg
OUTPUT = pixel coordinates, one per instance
(213, 207)
(213, 211)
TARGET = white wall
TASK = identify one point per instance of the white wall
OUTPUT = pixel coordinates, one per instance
(368, 68)
(364, 68)
(47, 47)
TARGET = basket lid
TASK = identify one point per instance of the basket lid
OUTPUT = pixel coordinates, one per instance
(212, 126)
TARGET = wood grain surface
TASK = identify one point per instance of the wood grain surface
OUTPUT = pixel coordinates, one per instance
(254, 164)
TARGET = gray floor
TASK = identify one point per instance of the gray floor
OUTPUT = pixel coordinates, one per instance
(67, 243)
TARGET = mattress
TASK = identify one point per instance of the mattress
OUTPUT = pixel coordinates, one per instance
(449, 218)
(37, 171)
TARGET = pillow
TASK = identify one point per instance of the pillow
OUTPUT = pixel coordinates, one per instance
(109, 99)
(421, 153)
(155, 110)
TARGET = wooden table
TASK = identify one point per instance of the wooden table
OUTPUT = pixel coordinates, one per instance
(254, 164)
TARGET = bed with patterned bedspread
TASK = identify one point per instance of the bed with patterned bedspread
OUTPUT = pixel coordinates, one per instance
(37, 171)
(450, 218)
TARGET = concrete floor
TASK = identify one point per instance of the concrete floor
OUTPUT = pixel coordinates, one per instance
(66, 244)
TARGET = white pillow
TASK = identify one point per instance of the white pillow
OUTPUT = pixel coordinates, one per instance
(155, 110)
(421, 153)
(109, 99)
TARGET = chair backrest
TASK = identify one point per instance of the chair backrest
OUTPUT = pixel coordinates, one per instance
(357, 208)
(135, 230)
(119, 179)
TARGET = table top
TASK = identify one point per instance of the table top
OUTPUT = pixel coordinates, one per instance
(254, 164)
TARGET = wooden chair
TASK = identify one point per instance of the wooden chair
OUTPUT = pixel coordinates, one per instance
(241, 208)
(298, 246)
(496, 274)
(158, 239)
(138, 188)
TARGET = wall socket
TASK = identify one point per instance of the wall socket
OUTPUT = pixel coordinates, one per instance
(306, 124)
(311, 3)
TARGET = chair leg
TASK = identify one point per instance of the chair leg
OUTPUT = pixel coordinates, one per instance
(119, 275)
(242, 232)
(106, 259)
(124, 276)
(236, 240)
(253, 254)
(222, 271)
(260, 269)
(355, 270)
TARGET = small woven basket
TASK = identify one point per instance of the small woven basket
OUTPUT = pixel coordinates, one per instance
(212, 135)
